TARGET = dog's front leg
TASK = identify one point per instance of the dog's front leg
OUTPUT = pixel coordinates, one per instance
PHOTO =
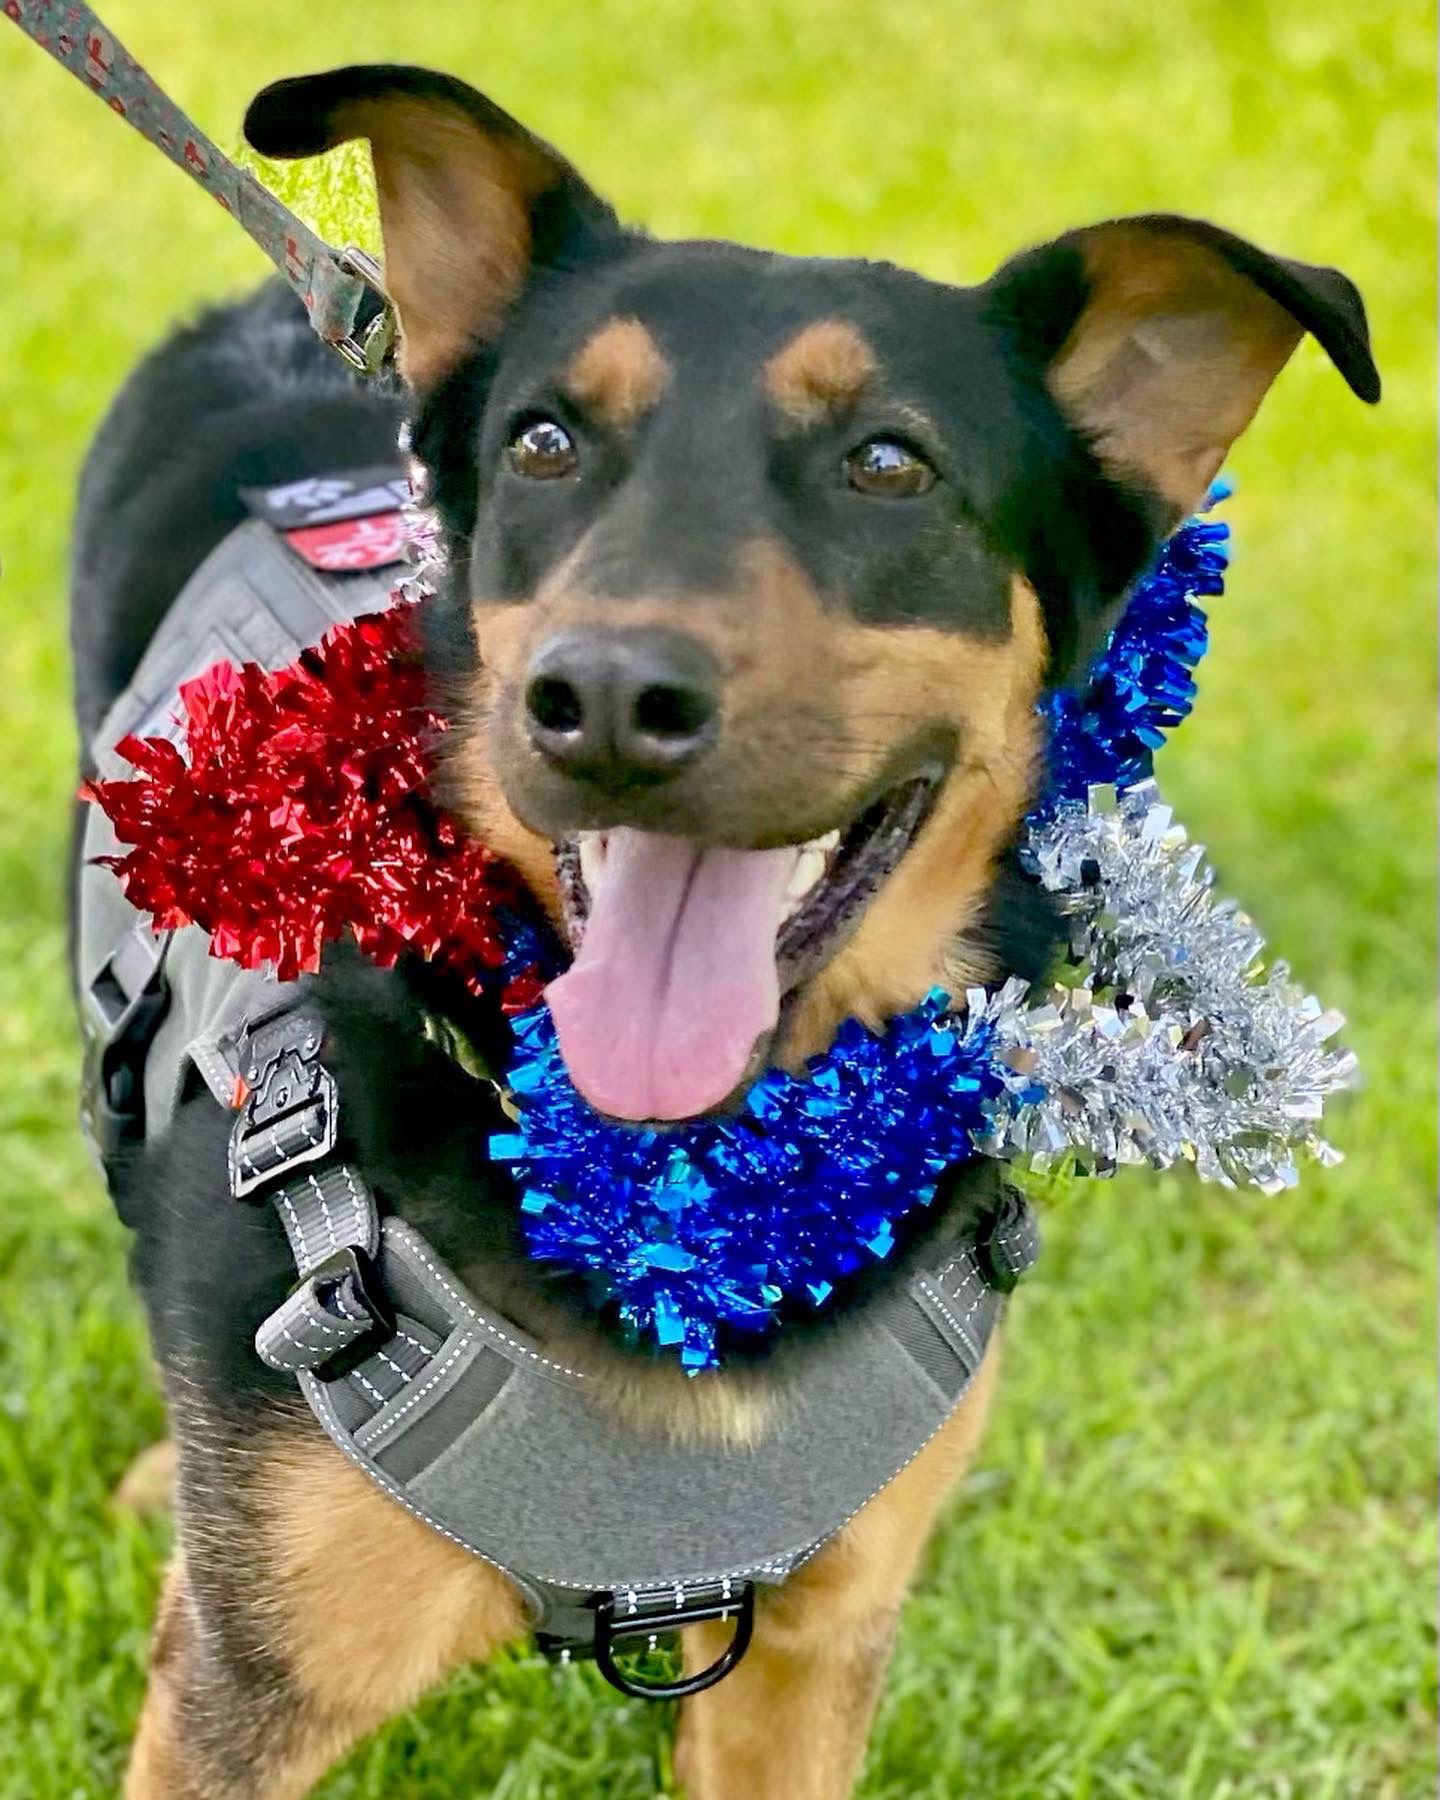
(304, 1609)
(790, 1723)
(208, 1731)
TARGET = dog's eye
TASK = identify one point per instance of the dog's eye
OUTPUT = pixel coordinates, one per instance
(883, 465)
(543, 450)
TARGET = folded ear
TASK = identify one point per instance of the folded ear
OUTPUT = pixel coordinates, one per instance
(469, 200)
(1160, 336)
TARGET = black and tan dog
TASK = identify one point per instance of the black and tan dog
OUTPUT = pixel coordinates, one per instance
(757, 566)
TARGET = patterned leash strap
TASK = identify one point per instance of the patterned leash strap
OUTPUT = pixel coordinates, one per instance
(332, 283)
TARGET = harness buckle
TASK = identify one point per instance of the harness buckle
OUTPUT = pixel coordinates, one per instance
(123, 1006)
(650, 1613)
(290, 1115)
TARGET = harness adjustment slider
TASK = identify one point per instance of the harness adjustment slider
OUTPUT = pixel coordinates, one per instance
(343, 1284)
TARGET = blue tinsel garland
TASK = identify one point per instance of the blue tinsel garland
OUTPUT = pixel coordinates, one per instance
(720, 1223)
(1141, 685)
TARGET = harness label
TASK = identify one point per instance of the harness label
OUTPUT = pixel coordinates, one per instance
(324, 499)
(369, 543)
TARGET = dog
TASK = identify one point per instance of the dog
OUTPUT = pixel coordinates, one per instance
(756, 569)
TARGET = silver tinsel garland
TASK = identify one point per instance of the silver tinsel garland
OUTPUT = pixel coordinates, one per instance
(1173, 1043)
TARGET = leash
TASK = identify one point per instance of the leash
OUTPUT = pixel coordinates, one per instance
(335, 285)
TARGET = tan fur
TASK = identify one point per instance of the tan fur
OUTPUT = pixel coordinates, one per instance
(148, 1485)
(618, 373)
(158, 1752)
(911, 935)
(1171, 357)
(364, 1607)
(166, 1761)
(820, 373)
(790, 1723)
(349, 1567)
(455, 216)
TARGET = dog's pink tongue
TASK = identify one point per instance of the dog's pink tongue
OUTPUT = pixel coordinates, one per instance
(676, 977)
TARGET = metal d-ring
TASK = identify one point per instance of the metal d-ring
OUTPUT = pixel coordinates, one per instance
(609, 1632)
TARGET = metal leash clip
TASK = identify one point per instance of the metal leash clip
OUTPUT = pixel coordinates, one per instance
(368, 352)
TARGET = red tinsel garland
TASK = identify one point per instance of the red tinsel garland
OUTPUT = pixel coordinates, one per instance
(301, 814)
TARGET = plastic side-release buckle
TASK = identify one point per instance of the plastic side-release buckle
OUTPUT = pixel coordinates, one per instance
(122, 1009)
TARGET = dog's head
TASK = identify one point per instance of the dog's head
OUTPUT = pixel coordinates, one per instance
(758, 564)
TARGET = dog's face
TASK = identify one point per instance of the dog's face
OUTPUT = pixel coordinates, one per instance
(744, 629)
(759, 565)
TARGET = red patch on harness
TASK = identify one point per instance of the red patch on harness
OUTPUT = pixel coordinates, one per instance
(369, 543)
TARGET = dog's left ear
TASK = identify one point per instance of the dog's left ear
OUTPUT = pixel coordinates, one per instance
(1160, 336)
(470, 201)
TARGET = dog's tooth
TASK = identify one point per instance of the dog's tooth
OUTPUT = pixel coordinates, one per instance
(809, 867)
(592, 857)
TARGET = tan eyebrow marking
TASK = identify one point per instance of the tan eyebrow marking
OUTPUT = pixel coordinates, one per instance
(821, 372)
(618, 373)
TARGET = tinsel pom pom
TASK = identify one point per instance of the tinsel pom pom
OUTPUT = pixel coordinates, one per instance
(1175, 1044)
(301, 816)
(709, 1227)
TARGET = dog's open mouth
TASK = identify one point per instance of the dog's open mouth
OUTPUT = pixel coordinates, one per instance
(684, 950)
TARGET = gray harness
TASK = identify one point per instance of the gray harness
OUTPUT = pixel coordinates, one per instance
(444, 1403)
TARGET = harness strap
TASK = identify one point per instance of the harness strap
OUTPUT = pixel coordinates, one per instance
(332, 283)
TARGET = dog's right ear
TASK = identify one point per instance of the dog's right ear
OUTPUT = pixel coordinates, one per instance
(470, 201)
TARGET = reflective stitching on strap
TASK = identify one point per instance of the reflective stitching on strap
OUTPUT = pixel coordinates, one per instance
(319, 1194)
(436, 1376)
(294, 1230)
(415, 1244)
(282, 1156)
(318, 1224)
(342, 1300)
(406, 1377)
(311, 1332)
(959, 1326)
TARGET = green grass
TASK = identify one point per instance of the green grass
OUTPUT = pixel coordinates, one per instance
(1196, 1558)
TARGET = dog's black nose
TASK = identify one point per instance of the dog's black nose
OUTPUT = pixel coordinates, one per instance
(618, 707)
